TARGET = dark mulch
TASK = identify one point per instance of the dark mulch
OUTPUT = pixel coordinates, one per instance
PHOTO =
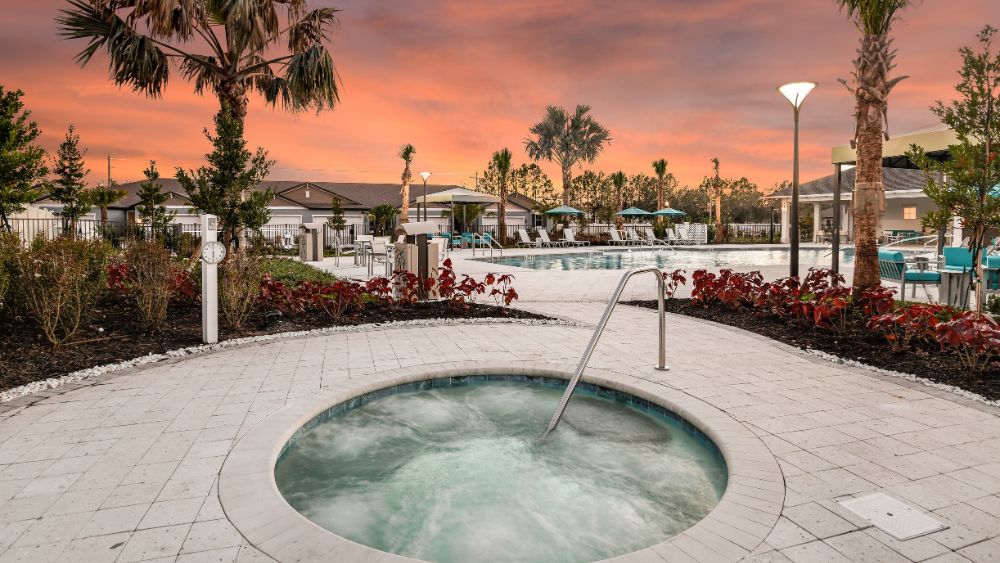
(114, 334)
(855, 344)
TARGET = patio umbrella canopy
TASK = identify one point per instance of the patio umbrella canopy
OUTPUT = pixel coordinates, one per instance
(634, 212)
(458, 195)
(669, 212)
(564, 210)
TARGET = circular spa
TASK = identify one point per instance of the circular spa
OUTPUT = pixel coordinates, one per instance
(453, 470)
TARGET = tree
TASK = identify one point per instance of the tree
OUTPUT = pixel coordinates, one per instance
(68, 187)
(718, 189)
(592, 192)
(406, 153)
(465, 214)
(336, 219)
(566, 140)
(528, 180)
(660, 168)
(382, 215)
(501, 159)
(973, 171)
(618, 180)
(871, 88)
(103, 197)
(641, 191)
(227, 186)
(22, 163)
(150, 208)
(693, 201)
(240, 48)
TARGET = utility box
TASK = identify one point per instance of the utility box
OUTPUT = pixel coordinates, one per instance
(418, 255)
(311, 242)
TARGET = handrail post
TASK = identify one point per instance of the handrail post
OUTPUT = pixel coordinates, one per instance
(599, 329)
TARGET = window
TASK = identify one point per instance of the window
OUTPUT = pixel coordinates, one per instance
(910, 212)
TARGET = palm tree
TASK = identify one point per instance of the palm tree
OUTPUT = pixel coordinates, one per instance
(618, 180)
(660, 168)
(241, 47)
(871, 88)
(720, 234)
(406, 152)
(501, 159)
(566, 140)
(382, 215)
(102, 198)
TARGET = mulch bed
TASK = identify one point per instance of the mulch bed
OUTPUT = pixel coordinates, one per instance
(856, 344)
(114, 334)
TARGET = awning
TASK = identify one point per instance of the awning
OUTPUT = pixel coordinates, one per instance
(669, 212)
(459, 195)
(564, 210)
(634, 212)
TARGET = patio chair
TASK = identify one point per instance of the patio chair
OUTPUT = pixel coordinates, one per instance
(651, 237)
(543, 236)
(525, 241)
(571, 238)
(893, 267)
(616, 239)
(635, 239)
(380, 254)
(682, 237)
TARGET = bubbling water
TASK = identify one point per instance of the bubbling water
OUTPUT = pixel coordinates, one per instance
(458, 474)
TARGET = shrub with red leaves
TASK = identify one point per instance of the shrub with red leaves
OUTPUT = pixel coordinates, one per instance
(975, 339)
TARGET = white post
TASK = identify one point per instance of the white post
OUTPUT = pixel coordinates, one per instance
(817, 219)
(785, 221)
(956, 231)
(209, 284)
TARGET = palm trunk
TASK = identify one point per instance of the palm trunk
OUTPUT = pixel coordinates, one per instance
(720, 234)
(567, 181)
(868, 198)
(501, 214)
(659, 200)
(404, 215)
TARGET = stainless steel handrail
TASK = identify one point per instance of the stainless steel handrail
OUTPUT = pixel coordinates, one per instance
(661, 360)
(484, 242)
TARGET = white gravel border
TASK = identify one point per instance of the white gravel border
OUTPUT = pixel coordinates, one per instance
(88, 373)
(907, 376)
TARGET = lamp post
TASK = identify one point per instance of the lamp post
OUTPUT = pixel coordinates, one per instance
(425, 175)
(795, 93)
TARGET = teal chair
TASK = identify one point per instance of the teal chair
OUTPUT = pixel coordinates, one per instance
(466, 239)
(957, 259)
(892, 267)
(488, 238)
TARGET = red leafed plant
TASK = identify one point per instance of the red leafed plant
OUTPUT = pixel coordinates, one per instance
(503, 290)
(916, 322)
(673, 280)
(339, 297)
(975, 339)
(117, 276)
(831, 307)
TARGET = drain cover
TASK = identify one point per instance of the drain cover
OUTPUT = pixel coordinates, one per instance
(892, 516)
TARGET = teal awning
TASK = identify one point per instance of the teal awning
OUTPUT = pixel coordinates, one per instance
(564, 210)
(634, 212)
(670, 212)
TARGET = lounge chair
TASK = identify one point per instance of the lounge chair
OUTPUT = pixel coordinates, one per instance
(893, 267)
(616, 239)
(636, 239)
(651, 237)
(682, 238)
(571, 238)
(543, 236)
(525, 241)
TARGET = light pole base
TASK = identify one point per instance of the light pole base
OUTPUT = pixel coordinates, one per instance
(661, 368)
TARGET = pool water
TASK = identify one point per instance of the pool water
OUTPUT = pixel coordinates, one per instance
(685, 258)
(458, 474)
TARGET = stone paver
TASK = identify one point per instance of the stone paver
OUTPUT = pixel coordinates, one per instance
(125, 468)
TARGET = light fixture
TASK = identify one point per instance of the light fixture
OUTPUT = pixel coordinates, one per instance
(796, 92)
(425, 175)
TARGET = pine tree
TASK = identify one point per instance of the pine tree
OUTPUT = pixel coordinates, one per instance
(22, 164)
(226, 187)
(69, 188)
(336, 220)
(151, 199)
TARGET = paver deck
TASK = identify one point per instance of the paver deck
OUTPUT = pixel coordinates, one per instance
(126, 469)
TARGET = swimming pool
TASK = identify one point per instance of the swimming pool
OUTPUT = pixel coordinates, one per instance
(686, 258)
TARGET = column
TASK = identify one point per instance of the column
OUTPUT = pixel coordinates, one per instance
(817, 220)
(786, 208)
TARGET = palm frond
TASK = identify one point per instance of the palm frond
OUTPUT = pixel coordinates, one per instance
(312, 80)
(311, 29)
(406, 152)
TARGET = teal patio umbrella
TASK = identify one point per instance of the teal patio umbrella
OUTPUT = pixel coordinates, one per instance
(564, 210)
(669, 212)
(634, 212)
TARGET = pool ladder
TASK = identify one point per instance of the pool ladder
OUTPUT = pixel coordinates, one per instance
(661, 316)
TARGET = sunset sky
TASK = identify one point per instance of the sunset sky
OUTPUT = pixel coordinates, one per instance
(460, 79)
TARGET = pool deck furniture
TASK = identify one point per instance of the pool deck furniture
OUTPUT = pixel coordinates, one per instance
(634, 237)
(570, 238)
(893, 266)
(682, 237)
(651, 238)
(543, 236)
(525, 241)
(616, 238)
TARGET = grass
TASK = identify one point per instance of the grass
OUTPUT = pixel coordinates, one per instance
(291, 271)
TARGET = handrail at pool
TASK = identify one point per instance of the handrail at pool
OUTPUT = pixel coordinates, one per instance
(589, 350)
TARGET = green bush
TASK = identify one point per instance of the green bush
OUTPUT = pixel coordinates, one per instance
(10, 248)
(149, 280)
(292, 271)
(240, 276)
(60, 282)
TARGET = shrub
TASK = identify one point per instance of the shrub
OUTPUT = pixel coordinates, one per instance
(148, 278)
(975, 339)
(340, 297)
(672, 281)
(240, 280)
(61, 281)
(10, 248)
(909, 325)
(290, 271)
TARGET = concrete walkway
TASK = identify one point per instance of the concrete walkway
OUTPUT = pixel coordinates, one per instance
(125, 469)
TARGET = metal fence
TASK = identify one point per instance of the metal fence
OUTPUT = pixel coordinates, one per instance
(759, 231)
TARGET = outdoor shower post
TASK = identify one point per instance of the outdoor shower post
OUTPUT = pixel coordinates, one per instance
(835, 238)
(661, 290)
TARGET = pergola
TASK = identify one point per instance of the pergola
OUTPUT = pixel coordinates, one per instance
(935, 143)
